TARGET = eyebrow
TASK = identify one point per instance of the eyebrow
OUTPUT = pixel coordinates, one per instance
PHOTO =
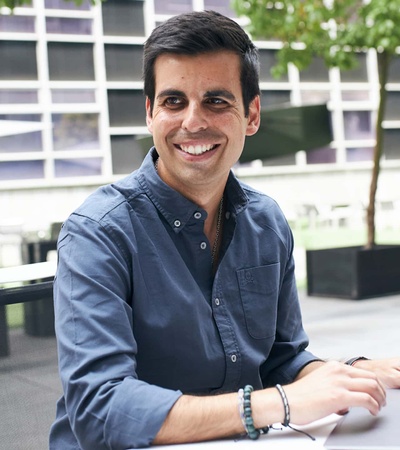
(209, 94)
(220, 93)
(171, 93)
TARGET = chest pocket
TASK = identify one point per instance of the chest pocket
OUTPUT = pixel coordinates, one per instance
(259, 294)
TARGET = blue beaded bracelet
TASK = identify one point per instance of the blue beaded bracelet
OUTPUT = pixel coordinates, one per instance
(246, 414)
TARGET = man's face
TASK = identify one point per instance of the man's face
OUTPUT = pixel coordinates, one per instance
(198, 121)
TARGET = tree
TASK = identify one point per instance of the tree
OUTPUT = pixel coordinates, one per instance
(336, 31)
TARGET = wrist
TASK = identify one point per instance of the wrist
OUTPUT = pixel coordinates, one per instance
(356, 360)
(267, 407)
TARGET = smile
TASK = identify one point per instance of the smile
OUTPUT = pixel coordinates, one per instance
(197, 149)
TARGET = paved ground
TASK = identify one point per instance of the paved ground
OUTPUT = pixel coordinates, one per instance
(29, 385)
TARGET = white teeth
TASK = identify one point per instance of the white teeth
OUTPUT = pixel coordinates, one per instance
(196, 149)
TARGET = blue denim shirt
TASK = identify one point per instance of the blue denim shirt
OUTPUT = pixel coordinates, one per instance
(141, 319)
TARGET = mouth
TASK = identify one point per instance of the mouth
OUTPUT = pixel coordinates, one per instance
(197, 149)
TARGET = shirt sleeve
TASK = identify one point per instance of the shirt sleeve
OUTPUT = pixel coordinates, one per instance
(288, 354)
(107, 405)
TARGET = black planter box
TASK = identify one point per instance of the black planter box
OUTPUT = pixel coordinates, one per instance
(354, 272)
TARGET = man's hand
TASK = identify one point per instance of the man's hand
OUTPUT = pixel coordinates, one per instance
(387, 370)
(333, 387)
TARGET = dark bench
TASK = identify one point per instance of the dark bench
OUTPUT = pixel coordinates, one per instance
(36, 293)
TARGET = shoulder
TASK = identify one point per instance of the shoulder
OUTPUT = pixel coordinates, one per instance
(110, 200)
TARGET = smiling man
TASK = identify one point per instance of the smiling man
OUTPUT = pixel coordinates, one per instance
(177, 315)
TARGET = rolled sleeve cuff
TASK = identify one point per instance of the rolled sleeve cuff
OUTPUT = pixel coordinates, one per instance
(134, 421)
(288, 371)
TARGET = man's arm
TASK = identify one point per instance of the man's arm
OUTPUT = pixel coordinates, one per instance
(320, 390)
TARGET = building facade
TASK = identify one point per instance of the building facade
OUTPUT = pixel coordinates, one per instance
(71, 108)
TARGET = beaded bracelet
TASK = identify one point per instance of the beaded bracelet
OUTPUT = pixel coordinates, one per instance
(244, 399)
(241, 407)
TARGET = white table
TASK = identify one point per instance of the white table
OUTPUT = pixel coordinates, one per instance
(282, 439)
(27, 272)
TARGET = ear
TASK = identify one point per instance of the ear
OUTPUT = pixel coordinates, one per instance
(149, 116)
(253, 118)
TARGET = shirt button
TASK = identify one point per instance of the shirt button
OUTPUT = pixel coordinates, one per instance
(227, 215)
(203, 245)
(216, 301)
(197, 215)
(233, 358)
(177, 223)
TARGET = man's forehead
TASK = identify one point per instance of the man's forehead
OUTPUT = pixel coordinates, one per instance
(211, 73)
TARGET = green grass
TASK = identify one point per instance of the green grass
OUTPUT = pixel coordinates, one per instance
(311, 239)
(15, 315)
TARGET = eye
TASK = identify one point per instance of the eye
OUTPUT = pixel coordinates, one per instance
(173, 102)
(217, 102)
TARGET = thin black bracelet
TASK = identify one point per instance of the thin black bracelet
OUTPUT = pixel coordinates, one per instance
(352, 361)
(286, 421)
(285, 402)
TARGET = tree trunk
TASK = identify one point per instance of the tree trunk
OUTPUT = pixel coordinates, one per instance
(383, 69)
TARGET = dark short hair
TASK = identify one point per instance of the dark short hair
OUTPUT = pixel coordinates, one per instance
(202, 32)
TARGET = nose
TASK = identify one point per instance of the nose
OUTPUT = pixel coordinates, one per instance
(195, 118)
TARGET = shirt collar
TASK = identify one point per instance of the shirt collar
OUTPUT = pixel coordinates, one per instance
(177, 209)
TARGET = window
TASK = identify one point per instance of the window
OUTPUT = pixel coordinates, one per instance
(221, 6)
(325, 155)
(70, 61)
(79, 167)
(23, 142)
(124, 62)
(127, 154)
(172, 7)
(394, 70)
(355, 95)
(24, 133)
(316, 72)
(359, 73)
(10, 96)
(393, 106)
(391, 141)
(17, 24)
(287, 160)
(357, 125)
(21, 170)
(74, 131)
(126, 108)
(68, 26)
(314, 97)
(273, 98)
(267, 61)
(18, 60)
(359, 154)
(123, 18)
(62, 4)
(73, 96)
